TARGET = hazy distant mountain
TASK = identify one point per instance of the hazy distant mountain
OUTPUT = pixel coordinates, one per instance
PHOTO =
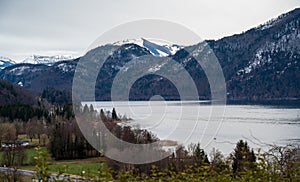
(261, 63)
(48, 60)
(35, 59)
(36, 77)
(5, 62)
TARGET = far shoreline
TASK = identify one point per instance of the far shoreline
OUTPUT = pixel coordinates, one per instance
(285, 102)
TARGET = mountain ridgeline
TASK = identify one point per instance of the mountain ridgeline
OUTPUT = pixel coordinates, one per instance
(262, 63)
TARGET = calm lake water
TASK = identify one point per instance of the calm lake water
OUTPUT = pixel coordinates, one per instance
(217, 127)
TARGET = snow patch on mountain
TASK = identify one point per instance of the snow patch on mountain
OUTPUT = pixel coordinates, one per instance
(288, 43)
(66, 67)
(269, 24)
(156, 68)
(258, 61)
(20, 84)
(155, 47)
(19, 70)
(138, 42)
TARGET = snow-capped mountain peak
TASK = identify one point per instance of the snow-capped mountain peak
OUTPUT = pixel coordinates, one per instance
(48, 60)
(156, 47)
(138, 42)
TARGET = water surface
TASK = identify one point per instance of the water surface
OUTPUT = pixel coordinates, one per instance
(192, 122)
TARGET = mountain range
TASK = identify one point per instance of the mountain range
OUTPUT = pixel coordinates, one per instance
(35, 59)
(262, 63)
(47, 60)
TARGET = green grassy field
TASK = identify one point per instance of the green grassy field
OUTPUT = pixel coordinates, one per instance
(29, 153)
(89, 166)
(77, 169)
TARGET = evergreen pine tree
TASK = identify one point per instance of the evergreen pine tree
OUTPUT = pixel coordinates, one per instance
(114, 114)
(243, 157)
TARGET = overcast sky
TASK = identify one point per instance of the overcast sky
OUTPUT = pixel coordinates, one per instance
(68, 27)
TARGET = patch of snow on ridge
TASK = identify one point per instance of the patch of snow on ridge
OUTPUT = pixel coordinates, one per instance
(65, 67)
(258, 60)
(19, 70)
(138, 42)
(156, 47)
(20, 84)
(156, 68)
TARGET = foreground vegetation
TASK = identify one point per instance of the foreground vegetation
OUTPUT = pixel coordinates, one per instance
(279, 164)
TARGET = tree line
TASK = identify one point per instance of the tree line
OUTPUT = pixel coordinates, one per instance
(21, 112)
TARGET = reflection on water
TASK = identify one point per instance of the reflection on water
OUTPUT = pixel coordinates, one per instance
(188, 122)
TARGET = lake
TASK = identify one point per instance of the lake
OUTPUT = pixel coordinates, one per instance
(216, 126)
